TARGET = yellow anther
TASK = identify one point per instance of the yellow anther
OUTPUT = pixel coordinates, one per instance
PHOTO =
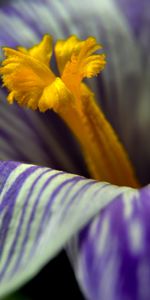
(31, 82)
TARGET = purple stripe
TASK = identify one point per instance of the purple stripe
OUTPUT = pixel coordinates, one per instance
(81, 190)
(9, 203)
(32, 215)
(94, 196)
(6, 167)
(15, 188)
(18, 232)
(47, 212)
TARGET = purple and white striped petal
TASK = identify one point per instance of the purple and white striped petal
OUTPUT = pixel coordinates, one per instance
(40, 210)
(125, 81)
(111, 255)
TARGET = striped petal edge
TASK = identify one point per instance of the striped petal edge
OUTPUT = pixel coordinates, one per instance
(40, 210)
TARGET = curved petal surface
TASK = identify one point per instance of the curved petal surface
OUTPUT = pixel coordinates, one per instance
(40, 210)
(111, 255)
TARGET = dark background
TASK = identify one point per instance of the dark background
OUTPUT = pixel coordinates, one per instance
(55, 281)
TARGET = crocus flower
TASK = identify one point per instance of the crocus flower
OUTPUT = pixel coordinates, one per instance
(105, 226)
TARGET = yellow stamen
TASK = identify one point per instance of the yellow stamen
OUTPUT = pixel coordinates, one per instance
(31, 82)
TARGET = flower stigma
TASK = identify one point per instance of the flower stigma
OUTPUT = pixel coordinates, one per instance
(32, 83)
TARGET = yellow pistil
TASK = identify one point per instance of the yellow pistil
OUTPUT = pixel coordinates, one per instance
(28, 76)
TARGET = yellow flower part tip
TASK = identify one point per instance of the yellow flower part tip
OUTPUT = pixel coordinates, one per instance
(31, 82)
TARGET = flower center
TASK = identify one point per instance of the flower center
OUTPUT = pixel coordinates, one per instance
(30, 81)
